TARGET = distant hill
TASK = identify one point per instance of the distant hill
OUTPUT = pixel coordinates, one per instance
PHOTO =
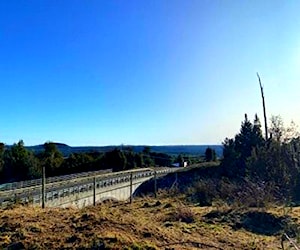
(186, 149)
(191, 150)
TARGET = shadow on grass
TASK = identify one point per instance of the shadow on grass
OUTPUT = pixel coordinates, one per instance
(253, 221)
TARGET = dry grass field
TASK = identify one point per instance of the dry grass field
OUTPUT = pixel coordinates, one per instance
(167, 222)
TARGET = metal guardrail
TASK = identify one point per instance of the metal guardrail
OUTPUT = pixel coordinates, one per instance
(63, 186)
(35, 182)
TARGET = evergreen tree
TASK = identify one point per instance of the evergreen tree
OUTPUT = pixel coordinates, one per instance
(244, 140)
(257, 139)
(147, 160)
(77, 162)
(139, 160)
(210, 154)
(230, 159)
(18, 162)
(130, 160)
(237, 151)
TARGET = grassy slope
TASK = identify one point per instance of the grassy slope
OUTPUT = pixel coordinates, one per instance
(164, 223)
(167, 222)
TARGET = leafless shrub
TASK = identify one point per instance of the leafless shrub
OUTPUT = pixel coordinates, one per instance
(182, 213)
(202, 192)
(240, 194)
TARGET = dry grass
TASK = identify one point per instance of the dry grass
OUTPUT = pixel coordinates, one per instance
(164, 223)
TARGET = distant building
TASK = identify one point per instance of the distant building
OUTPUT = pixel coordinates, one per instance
(178, 164)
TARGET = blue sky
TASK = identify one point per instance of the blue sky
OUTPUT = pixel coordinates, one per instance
(144, 72)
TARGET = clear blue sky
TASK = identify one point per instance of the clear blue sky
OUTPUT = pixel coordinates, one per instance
(144, 72)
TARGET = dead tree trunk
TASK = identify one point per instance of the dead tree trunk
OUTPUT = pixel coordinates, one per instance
(264, 107)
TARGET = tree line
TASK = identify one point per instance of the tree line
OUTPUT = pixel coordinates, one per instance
(271, 163)
(17, 163)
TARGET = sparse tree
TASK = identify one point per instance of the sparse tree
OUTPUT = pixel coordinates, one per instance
(277, 129)
(52, 158)
(146, 150)
(115, 159)
(180, 160)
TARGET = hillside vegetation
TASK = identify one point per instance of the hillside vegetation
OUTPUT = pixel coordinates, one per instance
(197, 215)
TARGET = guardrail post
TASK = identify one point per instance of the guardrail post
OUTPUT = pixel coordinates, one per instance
(130, 188)
(43, 186)
(94, 191)
(155, 184)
